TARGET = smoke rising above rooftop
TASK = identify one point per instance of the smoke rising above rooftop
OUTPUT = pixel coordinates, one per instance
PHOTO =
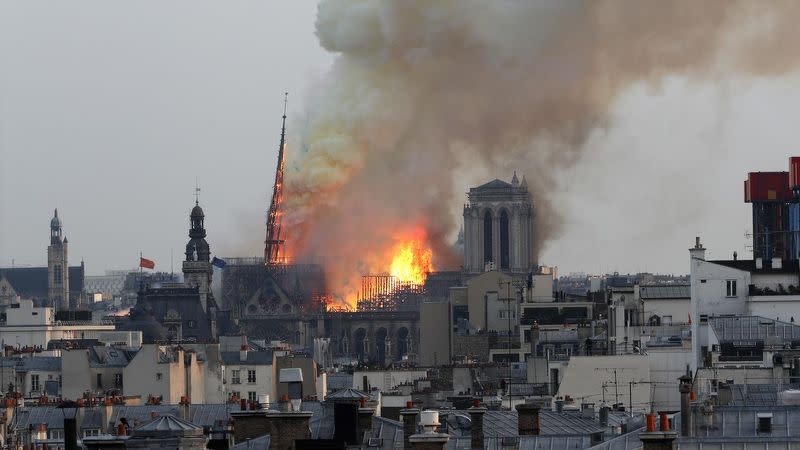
(425, 91)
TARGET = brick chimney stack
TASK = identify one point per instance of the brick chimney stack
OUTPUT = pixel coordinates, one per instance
(409, 416)
(528, 418)
(476, 413)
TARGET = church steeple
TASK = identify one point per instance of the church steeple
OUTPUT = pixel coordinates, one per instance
(55, 229)
(197, 270)
(197, 249)
(58, 265)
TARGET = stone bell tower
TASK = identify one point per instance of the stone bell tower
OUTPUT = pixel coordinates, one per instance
(57, 266)
(499, 227)
(197, 270)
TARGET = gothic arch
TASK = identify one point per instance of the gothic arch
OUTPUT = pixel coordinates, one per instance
(505, 239)
(402, 342)
(381, 338)
(488, 235)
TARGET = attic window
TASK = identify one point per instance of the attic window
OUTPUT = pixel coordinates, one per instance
(764, 422)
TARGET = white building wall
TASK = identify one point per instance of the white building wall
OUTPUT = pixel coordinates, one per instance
(666, 365)
(264, 384)
(677, 309)
(782, 307)
(593, 378)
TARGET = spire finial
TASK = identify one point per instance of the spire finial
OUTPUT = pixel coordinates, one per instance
(196, 193)
(55, 212)
(283, 125)
(514, 179)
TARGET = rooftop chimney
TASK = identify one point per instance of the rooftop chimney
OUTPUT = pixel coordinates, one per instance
(604, 415)
(528, 419)
(476, 413)
(365, 414)
(698, 251)
(685, 388)
(429, 439)
(662, 439)
(409, 416)
(243, 353)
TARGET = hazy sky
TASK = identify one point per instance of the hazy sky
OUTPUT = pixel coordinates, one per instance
(110, 111)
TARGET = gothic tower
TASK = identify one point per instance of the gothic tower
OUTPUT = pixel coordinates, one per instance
(197, 270)
(498, 227)
(57, 266)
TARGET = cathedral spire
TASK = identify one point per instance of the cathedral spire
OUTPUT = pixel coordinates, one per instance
(273, 244)
(515, 180)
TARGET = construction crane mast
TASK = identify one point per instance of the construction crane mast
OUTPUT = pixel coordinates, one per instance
(273, 245)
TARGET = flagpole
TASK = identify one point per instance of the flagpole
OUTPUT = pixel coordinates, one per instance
(141, 281)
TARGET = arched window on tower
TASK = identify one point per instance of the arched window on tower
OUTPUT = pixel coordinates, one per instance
(504, 240)
(487, 237)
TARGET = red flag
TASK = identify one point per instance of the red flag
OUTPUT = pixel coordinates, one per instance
(146, 263)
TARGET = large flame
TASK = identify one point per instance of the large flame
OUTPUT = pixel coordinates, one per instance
(412, 261)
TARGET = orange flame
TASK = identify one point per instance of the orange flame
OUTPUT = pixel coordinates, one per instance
(411, 261)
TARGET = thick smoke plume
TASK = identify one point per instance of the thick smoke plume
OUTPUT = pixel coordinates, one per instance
(423, 92)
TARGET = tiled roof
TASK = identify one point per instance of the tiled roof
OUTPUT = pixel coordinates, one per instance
(665, 291)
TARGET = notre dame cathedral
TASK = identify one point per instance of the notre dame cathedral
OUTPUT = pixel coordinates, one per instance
(499, 227)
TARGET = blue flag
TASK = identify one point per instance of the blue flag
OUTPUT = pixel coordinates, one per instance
(216, 262)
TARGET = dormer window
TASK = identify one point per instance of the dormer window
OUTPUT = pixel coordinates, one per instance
(764, 422)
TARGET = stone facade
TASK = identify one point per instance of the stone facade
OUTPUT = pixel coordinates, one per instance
(499, 227)
(197, 270)
(58, 266)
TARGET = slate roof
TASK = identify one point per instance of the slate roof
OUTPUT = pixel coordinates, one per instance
(389, 432)
(754, 328)
(339, 380)
(102, 356)
(665, 291)
(43, 363)
(749, 265)
(254, 358)
(523, 443)
(31, 282)
(347, 394)
(260, 442)
(736, 423)
(754, 394)
(504, 423)
(202, 415)
(168, 425)
(52, 417)
(321, 422)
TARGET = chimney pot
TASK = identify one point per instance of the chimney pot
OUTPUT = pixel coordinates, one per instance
(663, 421)
(651, 423)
